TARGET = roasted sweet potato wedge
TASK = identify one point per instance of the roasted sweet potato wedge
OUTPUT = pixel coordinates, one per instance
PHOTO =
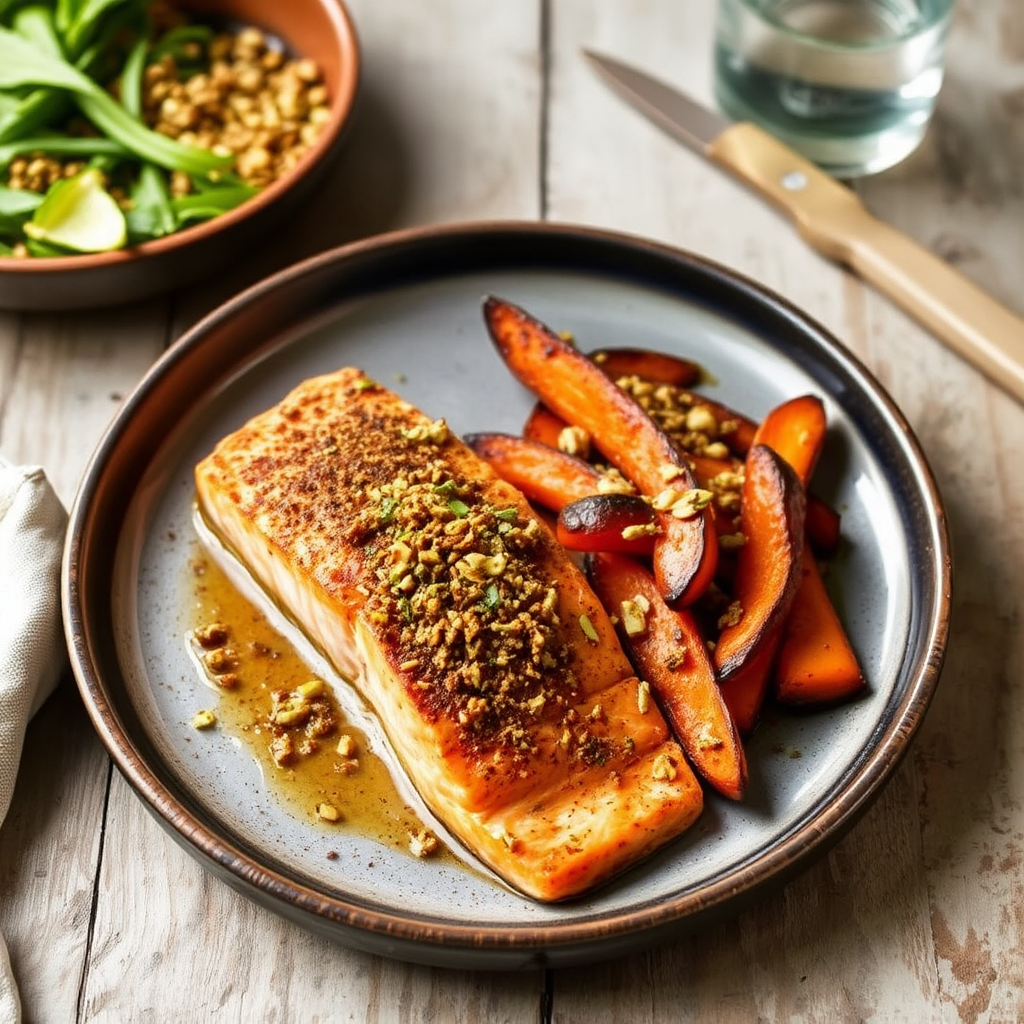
(768, 565)
(608, 522)
(572, 386)
(545, 475)
(670, 654)
(544, 426)
(645, 363)
(734, 429)
(745, 692)
(816, 664)
(823, 525)
(796, 431)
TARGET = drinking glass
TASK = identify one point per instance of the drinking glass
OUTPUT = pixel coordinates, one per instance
(850, 84)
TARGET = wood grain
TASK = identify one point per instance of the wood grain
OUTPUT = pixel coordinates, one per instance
(916, 915)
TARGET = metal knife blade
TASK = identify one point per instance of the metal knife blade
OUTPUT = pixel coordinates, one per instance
(832, 219)
(689, 121)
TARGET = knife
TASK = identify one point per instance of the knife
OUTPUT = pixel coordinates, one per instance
(833, 220)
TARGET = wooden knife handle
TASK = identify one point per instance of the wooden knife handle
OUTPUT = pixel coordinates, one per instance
(833, 220)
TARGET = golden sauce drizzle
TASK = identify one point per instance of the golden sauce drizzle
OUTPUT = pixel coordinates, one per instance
(255, 660)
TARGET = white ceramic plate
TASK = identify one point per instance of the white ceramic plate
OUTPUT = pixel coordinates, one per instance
(406, 309)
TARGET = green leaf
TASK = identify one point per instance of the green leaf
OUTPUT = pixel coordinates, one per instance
(176, 42)
(151, 214)
(16, 201)
(86, 22)
(35, 25)
(40, 108)
(65, 13)
(44, 249)
(16, 206)
(21, 64)
(132, 77)
(61, 145)
(211, 203)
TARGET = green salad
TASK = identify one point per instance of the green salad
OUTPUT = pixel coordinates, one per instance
(122, 121)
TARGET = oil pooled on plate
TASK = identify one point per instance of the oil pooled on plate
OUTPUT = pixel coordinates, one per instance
(313, 757)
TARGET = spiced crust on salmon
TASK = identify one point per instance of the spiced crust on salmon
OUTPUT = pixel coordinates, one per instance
(433, 586)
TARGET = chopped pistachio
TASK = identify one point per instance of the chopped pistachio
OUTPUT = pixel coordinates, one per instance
(611, 481)
(700, 418)
(643, 696)
(293, 710)
(213, 635)
(312, 688)
(706, 738)
(423, 843)
(432, 433)
(732, 541)
(204, 719)
(638, 530)
(731, 616)
(574, 441)
(664, 769)
(634, 620)
(328, 812)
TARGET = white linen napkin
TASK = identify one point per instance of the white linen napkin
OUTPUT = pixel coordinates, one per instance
(32, 649)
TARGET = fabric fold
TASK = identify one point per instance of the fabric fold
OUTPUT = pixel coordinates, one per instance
(32, 649)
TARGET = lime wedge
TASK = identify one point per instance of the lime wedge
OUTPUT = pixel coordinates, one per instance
(79, 214)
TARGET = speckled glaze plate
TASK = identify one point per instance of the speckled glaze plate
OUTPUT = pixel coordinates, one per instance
(406, 309)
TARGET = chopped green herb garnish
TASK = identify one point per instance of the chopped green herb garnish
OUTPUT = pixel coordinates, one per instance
(387, 509)
(491, 596)
(458, 508)
(507, 515)
(448, 487)
(588, 629)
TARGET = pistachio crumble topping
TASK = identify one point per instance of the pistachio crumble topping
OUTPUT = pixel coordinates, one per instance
(460, 596)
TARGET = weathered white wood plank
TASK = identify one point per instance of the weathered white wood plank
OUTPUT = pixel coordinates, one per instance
(68, 374)
(48, 854)
(961, 195)
(62, 379)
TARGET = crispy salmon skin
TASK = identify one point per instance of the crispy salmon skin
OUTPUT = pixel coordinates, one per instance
(433, 586)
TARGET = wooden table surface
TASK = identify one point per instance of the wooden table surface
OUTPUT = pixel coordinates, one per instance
(474, 111)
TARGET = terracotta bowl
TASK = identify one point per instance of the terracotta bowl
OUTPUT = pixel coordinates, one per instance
(320, 29)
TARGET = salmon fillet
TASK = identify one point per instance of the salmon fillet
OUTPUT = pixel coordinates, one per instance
(431, 584)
